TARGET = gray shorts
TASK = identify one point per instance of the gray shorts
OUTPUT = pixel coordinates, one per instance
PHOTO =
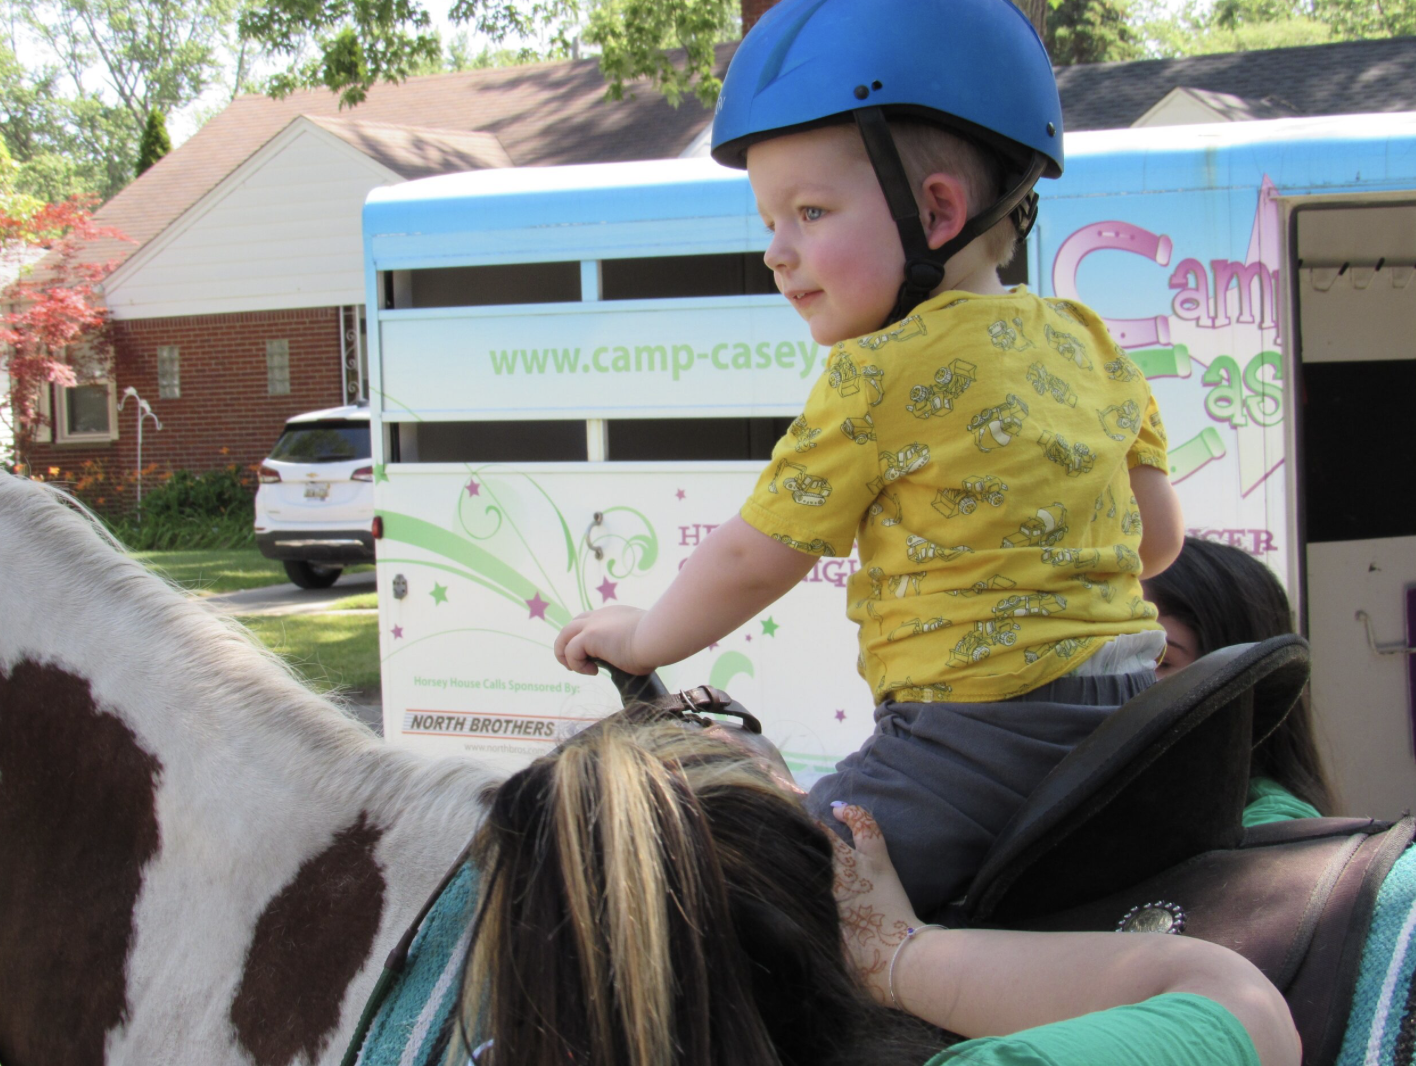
(942, 779)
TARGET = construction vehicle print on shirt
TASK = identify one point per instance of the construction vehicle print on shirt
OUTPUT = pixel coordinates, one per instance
(950, 382)
(1122, 368)
(1068, 347)
(811, 547)
(1077, 558)
(897, 585)
(1141, 609)
(806, 489)
(1127, 561)
(1098, 584)
(887, 504)
(843, 376)
(1009, 336)
(1101, 501)
(1157, 426)
(1065, 310)
(1131, 522)
(875, 379)
(895, 465)
(995, 427)
(965, 500)
(909, 329)
(1040, 530)
(1063, 649)
(907, 691)
(1051, 384)
(803, 434)
(1037, 604)
(1077, 458)
(1121, 421)
(922, 550)
(861, 430)
(978, 645)
(914, 627)
(978, 588)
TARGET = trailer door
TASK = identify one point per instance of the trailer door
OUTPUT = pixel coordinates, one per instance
(1354, 309)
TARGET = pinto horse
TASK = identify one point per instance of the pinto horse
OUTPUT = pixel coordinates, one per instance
(202, 861)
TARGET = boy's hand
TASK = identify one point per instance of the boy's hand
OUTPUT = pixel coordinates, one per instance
(606, 634)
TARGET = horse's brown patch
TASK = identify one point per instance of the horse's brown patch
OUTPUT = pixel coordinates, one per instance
(78, 821)
(311, 940)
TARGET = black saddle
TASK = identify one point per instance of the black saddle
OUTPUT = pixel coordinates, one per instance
(1140, 829)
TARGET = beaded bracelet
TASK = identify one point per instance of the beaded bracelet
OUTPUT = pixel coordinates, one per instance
(910, 933)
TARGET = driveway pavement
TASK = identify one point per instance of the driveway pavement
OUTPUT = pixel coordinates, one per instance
(289, 599)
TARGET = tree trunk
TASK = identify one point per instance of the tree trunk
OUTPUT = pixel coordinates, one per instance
(1036, 11)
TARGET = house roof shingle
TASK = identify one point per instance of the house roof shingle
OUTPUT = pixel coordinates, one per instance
(542, 114)
(419, 152)
(1326, 79)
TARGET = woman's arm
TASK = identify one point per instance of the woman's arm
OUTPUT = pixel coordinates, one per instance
(736, 572)
(979, 982)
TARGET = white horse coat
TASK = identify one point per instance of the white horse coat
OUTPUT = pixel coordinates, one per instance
(200, 861)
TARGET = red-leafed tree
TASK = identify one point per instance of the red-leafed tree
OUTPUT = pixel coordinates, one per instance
(55, 327)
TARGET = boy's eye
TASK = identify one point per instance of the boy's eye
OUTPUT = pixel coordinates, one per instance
(812, 214)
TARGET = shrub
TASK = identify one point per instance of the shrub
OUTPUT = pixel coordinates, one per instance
(191, 511)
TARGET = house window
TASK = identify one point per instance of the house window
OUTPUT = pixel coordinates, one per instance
(86, 413)
(169, 375)
(278, 367)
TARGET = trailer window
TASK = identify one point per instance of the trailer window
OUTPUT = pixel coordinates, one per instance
(687, 439)
(484, 286)
(670, 276)
(542, 441)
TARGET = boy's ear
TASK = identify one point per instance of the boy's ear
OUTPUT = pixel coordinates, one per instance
(944, 207)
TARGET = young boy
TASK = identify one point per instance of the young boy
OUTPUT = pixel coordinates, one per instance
(994, 455)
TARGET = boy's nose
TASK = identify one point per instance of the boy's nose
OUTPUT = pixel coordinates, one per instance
(778, 254)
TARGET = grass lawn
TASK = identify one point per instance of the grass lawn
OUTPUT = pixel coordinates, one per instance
(207, 573)
(365, 601)
(328, 650)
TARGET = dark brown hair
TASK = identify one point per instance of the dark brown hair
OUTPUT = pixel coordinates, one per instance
(1226, 596)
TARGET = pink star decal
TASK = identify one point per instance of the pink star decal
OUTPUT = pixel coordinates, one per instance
(713, 645)
(680, 494)
(473, 488)
(397, 632)
(840, 716)
(748, 637)
(606, 589)
(538, 606)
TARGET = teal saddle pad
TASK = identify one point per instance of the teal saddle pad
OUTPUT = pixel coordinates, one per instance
(413, 1003)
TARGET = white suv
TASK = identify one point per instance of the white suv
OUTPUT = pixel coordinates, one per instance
(315, 501)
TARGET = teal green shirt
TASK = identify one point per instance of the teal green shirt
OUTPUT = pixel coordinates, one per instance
(1271, 802)
(1172, 1030)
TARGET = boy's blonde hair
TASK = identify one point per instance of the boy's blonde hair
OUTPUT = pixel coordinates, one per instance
(926, 149)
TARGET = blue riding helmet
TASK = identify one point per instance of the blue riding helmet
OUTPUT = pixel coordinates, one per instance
(976, 67)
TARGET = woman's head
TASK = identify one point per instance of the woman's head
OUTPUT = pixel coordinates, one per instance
(1214, 596)
(652, 896)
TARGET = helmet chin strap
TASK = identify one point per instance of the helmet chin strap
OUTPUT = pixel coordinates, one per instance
(924, 266)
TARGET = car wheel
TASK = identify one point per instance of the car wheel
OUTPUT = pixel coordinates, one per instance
(311, 575)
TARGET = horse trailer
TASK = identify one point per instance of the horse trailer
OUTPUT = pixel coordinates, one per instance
(576, 372)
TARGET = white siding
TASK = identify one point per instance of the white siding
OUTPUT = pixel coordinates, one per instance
(281, 232)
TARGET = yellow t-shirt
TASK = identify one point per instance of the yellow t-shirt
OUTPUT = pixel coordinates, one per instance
(979, 454)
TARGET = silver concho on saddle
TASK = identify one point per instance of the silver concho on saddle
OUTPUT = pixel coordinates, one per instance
(1157, 917)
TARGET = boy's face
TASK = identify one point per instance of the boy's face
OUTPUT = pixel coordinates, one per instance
(835, 251)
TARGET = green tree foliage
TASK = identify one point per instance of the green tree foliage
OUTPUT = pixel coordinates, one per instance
(348, 45)
(156, 143)
(74, 113)
(1091, 31)
(1200, 28)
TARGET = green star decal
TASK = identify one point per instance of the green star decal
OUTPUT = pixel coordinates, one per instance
(380, 473)
(769, 627)
(439, 593)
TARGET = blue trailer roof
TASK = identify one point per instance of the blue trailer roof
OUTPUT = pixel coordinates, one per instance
(525, 207)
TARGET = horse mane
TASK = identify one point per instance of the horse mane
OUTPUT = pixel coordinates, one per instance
(229, 679)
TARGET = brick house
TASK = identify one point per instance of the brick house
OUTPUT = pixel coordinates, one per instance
(240, 301)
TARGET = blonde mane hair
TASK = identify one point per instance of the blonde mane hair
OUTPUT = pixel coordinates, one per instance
(651, 897)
